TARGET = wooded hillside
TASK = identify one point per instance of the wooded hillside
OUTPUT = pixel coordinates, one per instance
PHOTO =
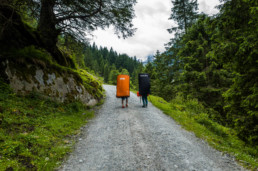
(214, 59)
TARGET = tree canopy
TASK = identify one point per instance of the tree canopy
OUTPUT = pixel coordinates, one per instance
(74, 18)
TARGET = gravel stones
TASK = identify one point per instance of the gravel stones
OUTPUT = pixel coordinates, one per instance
(137, 138)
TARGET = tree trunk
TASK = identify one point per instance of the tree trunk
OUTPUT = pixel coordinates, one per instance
(48, 32)
(185, 20)
(47, 23)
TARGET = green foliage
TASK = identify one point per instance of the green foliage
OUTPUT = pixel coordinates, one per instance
(108, 64)
(91, 84)
(124, 72)
(84, 16)
(36, 134)
(73, 48)
(113, 76)
(214, 61)
(202, 75)
(4, 88)
(193, 116)
(28, 52)
(42, 58)
(106, 73)
(242, 97)
(50, 20)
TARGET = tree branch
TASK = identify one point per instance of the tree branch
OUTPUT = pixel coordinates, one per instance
(81, 16)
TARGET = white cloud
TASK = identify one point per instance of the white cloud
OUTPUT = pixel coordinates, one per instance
(208, 7)
(152, 23)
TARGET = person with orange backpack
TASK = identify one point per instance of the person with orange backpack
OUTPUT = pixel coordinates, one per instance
(123, 88)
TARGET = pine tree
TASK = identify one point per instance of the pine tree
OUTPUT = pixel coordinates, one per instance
(202, 76)
(237, 48)
(106, 73)
(184, 12)
(88, 58)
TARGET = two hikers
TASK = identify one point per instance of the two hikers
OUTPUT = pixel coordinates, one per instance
(123, 88)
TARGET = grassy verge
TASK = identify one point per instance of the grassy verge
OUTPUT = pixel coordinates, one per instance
(193, 117)
(35, 133)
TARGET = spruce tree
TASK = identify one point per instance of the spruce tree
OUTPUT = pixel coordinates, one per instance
(237, 48)
(106, 73)
(184, 12)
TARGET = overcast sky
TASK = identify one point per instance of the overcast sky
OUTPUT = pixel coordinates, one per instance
(152, 23)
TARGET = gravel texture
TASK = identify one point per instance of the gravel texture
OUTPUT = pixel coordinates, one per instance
(137, 138)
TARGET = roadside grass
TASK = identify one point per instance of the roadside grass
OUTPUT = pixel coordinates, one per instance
(35, 133)
(193, 117)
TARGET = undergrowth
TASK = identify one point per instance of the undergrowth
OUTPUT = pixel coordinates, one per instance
(35, 133)
(91, 84)
(194, 117)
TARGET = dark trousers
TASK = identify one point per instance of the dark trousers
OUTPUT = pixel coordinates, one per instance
(144, 100)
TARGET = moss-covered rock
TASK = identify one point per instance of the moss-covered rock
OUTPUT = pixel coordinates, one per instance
(51, 80)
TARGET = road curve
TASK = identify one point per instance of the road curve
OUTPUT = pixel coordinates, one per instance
(137, 138)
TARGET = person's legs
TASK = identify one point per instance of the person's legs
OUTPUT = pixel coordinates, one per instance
(144, 100)
(126, 101)
(123, 102)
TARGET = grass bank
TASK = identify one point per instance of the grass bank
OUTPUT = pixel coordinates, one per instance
(193, 117)
(35, 133)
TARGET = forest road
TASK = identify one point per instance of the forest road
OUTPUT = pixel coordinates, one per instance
(139, 139)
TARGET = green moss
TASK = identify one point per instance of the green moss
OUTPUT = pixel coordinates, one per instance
(21, 70)
(48, 91)
(4, 87)
(93, 86)
(45, 77)
(70, 96)
(28, 53)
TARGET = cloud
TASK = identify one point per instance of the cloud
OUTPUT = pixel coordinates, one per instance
(152, 23)
(208, 7)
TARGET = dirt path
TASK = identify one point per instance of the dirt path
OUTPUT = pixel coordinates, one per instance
(137, 138)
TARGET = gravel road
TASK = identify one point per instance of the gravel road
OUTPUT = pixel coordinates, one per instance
(137, 138)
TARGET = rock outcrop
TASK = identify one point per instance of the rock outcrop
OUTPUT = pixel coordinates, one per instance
(59, 85)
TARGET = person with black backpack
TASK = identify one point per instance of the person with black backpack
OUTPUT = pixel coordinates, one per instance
(144, 87)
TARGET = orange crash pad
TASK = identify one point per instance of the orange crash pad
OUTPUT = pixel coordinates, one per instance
(123, 86)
